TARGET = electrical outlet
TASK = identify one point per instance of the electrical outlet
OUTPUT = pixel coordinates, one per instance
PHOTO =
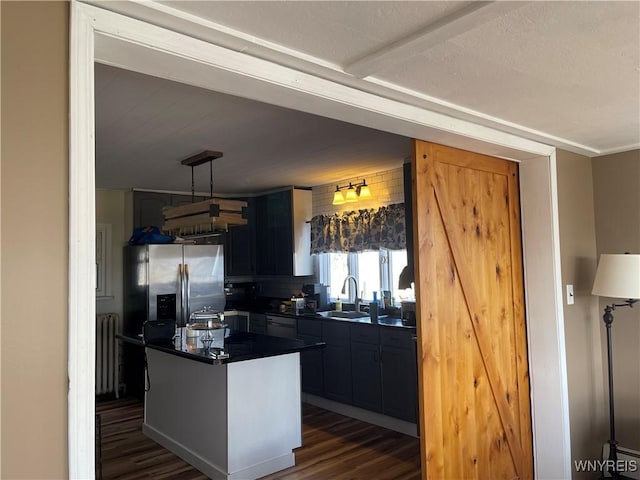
(570, 299)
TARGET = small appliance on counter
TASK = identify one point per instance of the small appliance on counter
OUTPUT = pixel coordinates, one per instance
(408, 313)
(297, 305)
(317, 296)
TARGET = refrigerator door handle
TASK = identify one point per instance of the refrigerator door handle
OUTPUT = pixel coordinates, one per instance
(188, 289)
(181, 320)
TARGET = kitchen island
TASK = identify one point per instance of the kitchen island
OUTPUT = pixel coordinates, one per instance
(234, 413)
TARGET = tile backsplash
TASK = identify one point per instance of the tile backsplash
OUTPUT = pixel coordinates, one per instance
(387, 188)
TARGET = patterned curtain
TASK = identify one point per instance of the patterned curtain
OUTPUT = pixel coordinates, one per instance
(360, 230)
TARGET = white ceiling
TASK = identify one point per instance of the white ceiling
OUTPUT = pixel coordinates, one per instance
(562, 73)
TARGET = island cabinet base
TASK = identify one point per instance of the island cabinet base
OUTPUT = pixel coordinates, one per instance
(239, 420)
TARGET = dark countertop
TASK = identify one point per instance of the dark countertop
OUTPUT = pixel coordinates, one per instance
(270, 306)
(238, 346)
(383, 320)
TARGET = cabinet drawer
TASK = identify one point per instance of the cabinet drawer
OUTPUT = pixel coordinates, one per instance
(365, 333)
(307, 326)
(395, 337)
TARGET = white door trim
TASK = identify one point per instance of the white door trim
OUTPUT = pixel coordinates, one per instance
(97, 34)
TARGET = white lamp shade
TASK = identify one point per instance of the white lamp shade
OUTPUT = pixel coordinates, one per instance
(618, 276)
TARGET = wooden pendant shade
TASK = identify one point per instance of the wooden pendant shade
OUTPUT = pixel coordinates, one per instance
(208, 216)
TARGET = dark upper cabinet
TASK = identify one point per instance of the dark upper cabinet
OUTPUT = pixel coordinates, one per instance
(282, 234)
(399, 374)
(147, 206)
(240, 252)
(273, 236)
(337, 361)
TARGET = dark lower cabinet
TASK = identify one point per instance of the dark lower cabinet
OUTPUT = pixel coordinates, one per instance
(312, 371)
(364, 365)
(311, 360)
(365, 369)
(237, 322)
(399, 375)
(258, 323)
(336, 361)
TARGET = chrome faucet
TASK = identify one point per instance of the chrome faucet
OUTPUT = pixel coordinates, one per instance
(344, 290)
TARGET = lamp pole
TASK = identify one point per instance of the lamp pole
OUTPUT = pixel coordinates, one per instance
(613, 443)
(613, 451)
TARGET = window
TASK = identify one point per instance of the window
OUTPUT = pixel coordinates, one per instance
(375, 272)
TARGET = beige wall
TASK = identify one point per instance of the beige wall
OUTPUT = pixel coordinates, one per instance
(110, 210)
(616, 182)
(34, 239)
(581, 320)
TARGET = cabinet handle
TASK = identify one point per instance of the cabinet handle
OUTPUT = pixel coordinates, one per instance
(376, 356)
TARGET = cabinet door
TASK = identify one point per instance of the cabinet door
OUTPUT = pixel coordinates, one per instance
(337, 361)
(258, 323)
(274, 234)
(365, 367)
(281, 229)
(265, 260)
(237, 322)
(147, 208)
(239, 251)
(311, 365)
(399, 383)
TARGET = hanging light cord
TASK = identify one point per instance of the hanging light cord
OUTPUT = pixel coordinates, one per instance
(211, 178)
(193, 187)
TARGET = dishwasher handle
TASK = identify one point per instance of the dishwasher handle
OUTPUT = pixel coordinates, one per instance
(278, 324)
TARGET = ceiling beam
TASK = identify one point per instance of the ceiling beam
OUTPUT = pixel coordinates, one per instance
(429, 36)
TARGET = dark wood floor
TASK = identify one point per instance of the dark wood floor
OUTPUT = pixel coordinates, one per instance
(334, 447)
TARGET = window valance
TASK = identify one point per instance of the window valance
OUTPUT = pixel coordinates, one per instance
(360, 230)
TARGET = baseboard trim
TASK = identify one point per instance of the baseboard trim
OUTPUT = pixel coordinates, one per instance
(215, 472)
(385, 421)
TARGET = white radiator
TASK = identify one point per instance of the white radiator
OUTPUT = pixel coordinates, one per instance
(107, 354)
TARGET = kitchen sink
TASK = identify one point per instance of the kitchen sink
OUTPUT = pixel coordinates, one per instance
(341, 314)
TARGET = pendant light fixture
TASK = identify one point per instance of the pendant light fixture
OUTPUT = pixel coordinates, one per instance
(208, 216)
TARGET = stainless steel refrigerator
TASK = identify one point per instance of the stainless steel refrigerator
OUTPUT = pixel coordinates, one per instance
(168, 282)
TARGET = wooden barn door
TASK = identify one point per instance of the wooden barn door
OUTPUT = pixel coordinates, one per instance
(475, 416)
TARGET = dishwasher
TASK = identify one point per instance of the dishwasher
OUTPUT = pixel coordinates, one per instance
(281, 326)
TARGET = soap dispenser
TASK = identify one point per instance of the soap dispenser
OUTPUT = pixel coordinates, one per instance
(373, 308)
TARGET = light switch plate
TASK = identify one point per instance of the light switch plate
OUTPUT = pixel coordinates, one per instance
(570, 299)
